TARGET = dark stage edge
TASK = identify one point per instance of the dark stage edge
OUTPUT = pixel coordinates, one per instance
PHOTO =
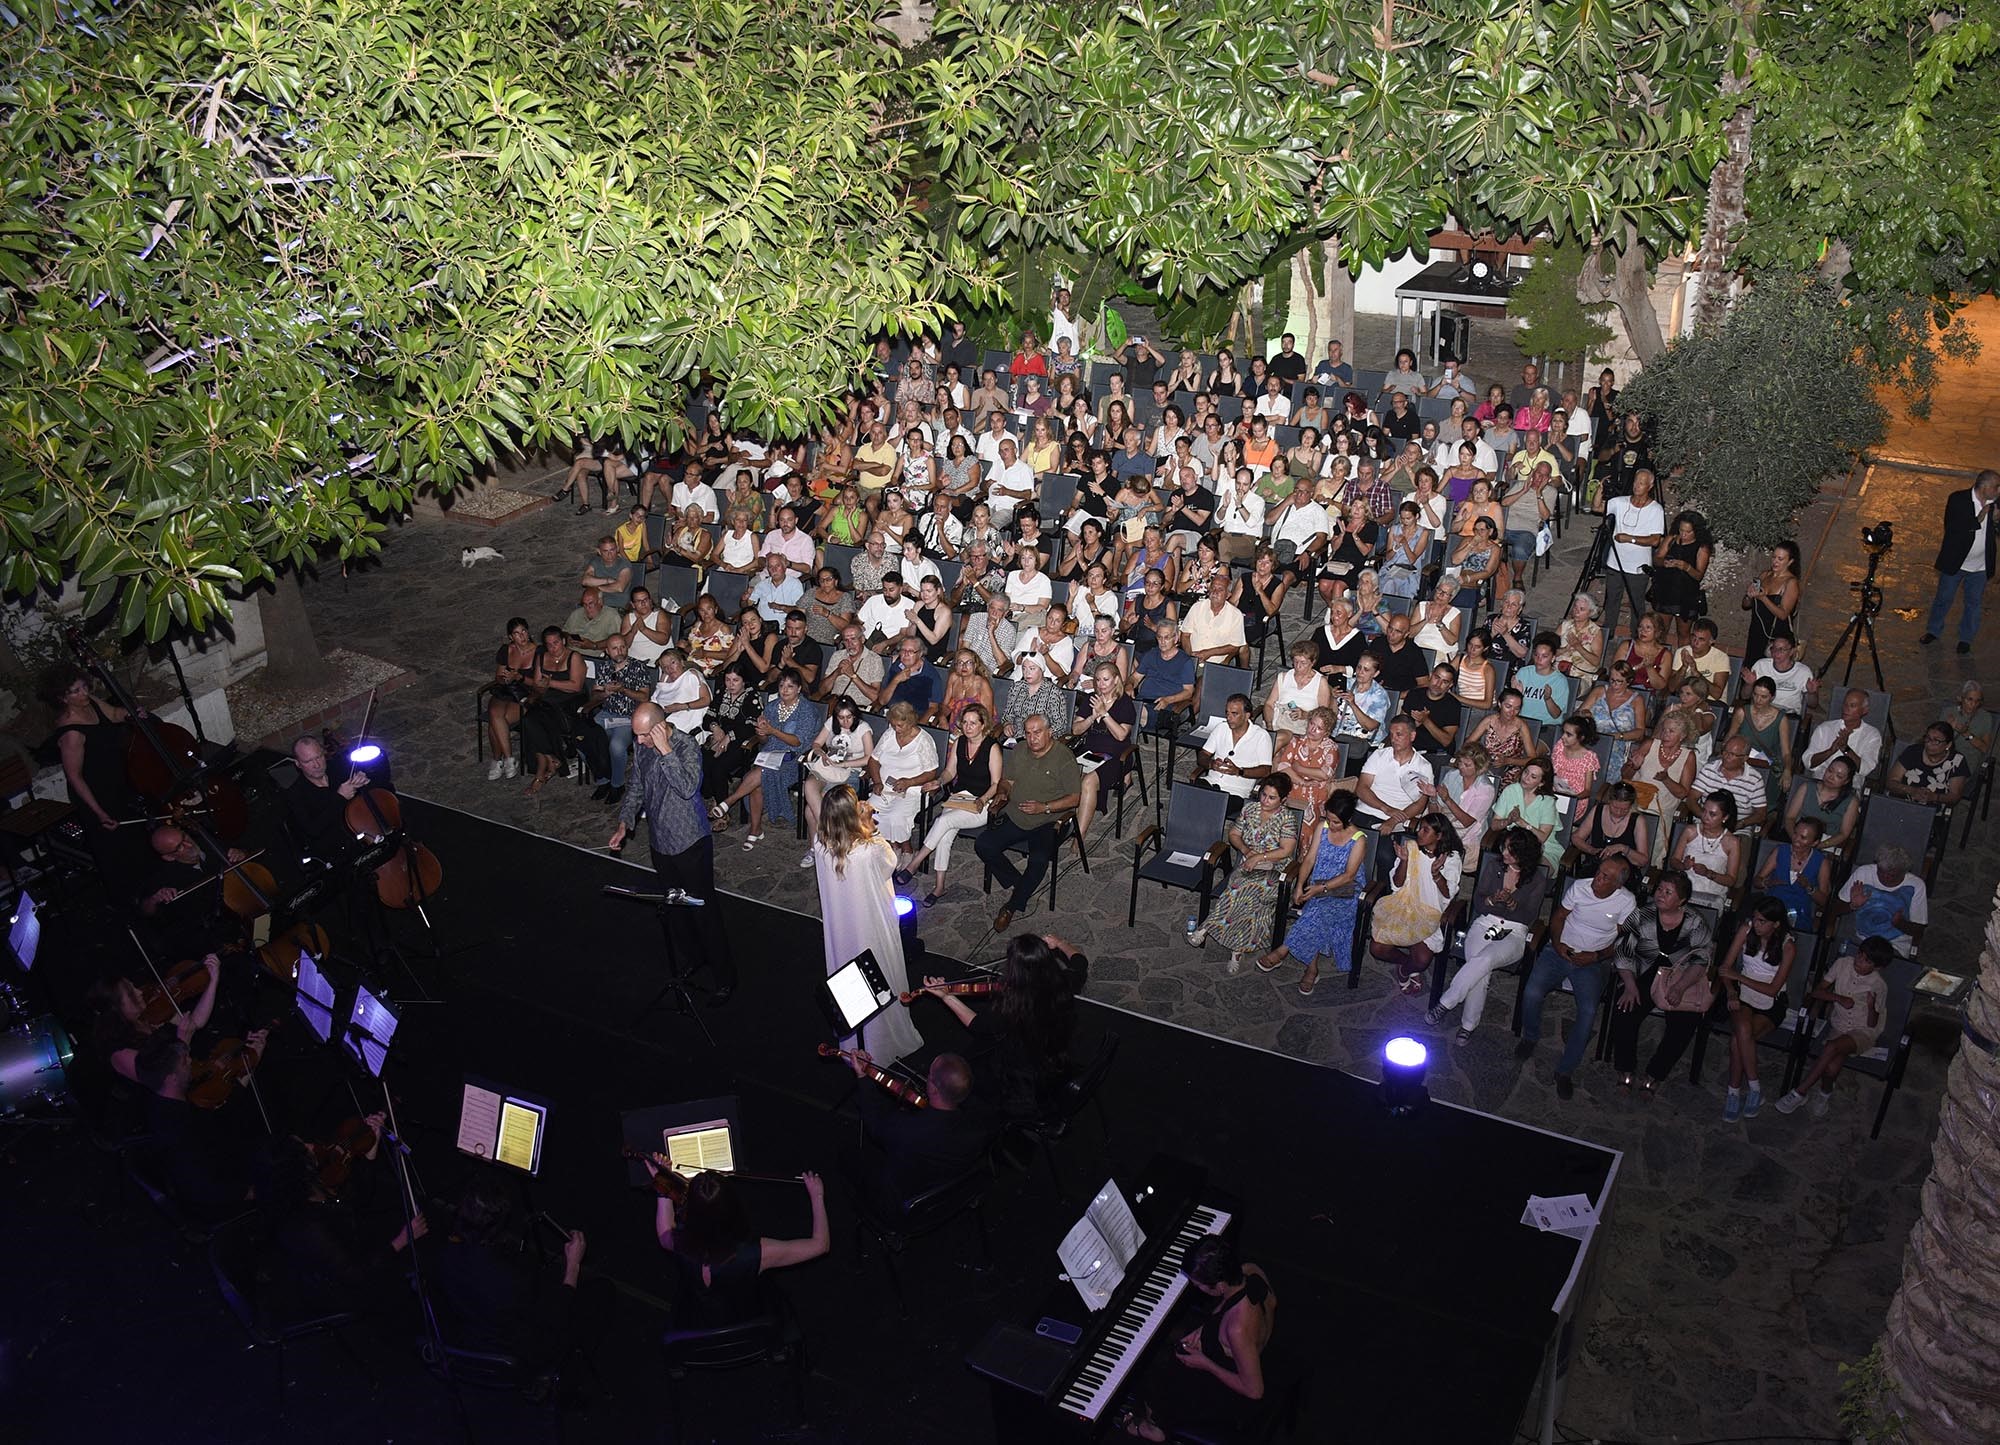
(1405, 1279)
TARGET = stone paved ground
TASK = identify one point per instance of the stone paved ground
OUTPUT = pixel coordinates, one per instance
(1742, 1264)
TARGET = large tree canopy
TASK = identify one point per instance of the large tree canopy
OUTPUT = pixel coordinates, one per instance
(1193, 142)
(1876, 158)
(266, 269)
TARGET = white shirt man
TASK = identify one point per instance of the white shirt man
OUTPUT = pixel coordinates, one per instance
(700, 496)
(1242, 508)
(987, 449)
(886, 617)
(1277, 406)
(1392, 776)
(1250, 749)
(1591, 922)
(1635, 518)
(1850, 735)
(1299, 523)
(1009, 483)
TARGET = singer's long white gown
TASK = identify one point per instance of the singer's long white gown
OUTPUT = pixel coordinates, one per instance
(857, 907)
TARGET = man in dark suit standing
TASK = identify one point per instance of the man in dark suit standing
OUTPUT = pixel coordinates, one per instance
(1966, 556)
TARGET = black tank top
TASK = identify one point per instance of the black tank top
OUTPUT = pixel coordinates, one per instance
(974, 774)
(103, 766)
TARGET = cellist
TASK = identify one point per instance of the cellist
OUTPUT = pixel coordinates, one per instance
(317, 802)
(182, 898)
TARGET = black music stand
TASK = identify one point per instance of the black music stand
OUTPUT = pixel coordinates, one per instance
(678, 992)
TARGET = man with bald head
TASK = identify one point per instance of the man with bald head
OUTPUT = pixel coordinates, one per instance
(187, 914)
(316, 804)
(665, 782)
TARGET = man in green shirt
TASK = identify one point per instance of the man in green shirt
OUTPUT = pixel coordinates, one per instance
(1041, 785)
(590, 622)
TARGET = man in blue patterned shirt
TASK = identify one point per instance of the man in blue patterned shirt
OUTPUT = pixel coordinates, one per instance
(620, 686)
(666, 786)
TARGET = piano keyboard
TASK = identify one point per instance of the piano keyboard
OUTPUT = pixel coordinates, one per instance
(1097, 1385)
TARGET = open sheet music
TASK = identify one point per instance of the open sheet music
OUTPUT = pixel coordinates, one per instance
(1100, 1245)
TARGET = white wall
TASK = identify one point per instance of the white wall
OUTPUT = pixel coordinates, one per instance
(1375, 288)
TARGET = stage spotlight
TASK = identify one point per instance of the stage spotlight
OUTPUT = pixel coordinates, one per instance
(914, 953)
(1403, 1062)
(365, 753)
(905, 906)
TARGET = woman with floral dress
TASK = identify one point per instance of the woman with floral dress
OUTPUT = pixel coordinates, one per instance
(1264, 836)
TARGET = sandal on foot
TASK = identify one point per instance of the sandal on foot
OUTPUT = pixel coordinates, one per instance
(1307, 985)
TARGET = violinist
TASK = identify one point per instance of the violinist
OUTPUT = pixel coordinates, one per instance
(717, 1258)
(205, 1163)
(317, 803)
(914, 1150)
(91, 737)
(1028, 1028)
(331, 1240)
(122, 1030)
(491, 1295)
(180, 894)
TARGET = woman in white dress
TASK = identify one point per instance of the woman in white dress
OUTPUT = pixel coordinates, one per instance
(904, 764)
(838, 754)
(857, 909)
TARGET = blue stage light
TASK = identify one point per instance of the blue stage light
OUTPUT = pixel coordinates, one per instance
(365, 753)
(1403, 1063)
(905, 906)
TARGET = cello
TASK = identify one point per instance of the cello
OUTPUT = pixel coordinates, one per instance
(410, 875)
(173, 778)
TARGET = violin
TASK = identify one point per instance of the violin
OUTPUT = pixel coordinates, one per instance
(228, 1064)
(354, 1139)
(964, 988)
(902, 1089)
(177, 992)
(672, 1185)
(211, 799)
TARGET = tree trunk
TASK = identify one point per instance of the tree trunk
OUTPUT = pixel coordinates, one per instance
(291, 653)
(1726, 208)
(1942, 1351)
(1328, 289)
(1632, 291)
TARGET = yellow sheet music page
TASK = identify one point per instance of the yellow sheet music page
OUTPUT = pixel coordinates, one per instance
(519, 1126)
(706, 1146)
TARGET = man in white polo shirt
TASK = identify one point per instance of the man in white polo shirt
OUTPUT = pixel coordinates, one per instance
(1236, 752)
(1637, 524)
(1010, 483)
(1240, 508)
(1583, 936)
(1849, 736)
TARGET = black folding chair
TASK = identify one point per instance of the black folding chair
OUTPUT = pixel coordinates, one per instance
(1195, 827)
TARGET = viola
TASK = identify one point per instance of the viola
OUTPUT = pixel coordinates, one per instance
(159, 775)
(902, 1089)
(226, 1065)
(672, 1185)
(354, 1139)
(964, 988)
(412, 874)
(177, 992)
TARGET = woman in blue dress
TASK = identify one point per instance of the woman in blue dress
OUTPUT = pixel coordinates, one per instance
(1331, 879)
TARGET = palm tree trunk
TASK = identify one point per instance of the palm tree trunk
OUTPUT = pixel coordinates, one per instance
(1942, 1350)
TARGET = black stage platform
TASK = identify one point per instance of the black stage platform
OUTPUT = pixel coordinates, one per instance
(1424, 1307)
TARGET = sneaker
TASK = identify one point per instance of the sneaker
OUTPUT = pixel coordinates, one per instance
(497, 769)
(1732, 1106)
(1927, 639)
(1822, 1100)
(807, 861)
(1963, 648)
(599, 793)
(1435, 1014)
(1525, 1048)
(1565, 1087)
(1460, 1039)
(513, 768)
(1752, 1102)
(1788, 1101)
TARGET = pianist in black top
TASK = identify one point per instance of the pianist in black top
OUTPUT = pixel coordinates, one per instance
(1028, 1026)
(317, 802)
(1213, 1378)
(907, 1151)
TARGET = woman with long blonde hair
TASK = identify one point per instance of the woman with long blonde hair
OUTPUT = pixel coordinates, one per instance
(857, 908)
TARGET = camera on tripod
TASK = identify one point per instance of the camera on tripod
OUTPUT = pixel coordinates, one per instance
(1879, 538)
